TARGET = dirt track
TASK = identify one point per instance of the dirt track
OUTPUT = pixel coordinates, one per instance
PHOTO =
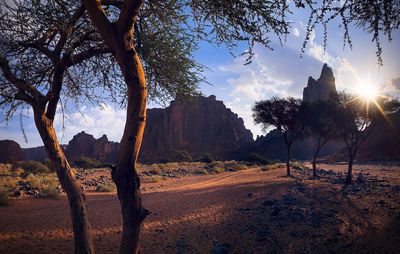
(247, 211)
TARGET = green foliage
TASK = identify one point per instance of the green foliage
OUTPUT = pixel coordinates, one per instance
(256, 158)
(182, 156)
(34, 167)
(4, 197)
(86, 162)
(108, 187)
(218, 170)
(207, 158)
(156, 179)
(49, 191)
(201, 171)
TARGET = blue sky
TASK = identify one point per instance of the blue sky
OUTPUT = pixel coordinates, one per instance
(281, 72)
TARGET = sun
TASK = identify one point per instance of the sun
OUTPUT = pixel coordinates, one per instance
(367, 91)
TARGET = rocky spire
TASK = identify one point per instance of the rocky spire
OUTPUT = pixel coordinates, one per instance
(322, 88)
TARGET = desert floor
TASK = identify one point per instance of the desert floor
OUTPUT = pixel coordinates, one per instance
(248, 211)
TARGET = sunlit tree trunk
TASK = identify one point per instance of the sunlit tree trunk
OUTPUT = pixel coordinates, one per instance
(76, 198)
(125, 175)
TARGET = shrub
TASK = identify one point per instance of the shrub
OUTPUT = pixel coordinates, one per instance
(218, 170)
(256, 158)
(39, 182)
(272, 166)
(201, 171)
(108, 187)
(49, 191)
(239, 167)
(4, 197)
(86, 162)
(298, 166)
(8, 182)
(182, 155)
(155, 179)
(207, 158)
(33, 167)
(155, 170)
(48, 164)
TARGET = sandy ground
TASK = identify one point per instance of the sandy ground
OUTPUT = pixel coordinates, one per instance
(248, 211)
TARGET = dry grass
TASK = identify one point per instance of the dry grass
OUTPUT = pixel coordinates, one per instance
(108, 187)
(4, 197)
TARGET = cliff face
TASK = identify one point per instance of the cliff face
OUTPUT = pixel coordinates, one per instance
(83, 144)
(199, 125)
(322, 88)
(10, 152)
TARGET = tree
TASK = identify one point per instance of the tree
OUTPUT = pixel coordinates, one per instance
(44, 46)
(320, 125)
(355, 119)
(286, 115)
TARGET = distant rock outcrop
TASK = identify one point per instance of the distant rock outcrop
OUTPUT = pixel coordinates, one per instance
(83, 144)
(322, 88)
(198, 125)
(35, 153)
(10, 152)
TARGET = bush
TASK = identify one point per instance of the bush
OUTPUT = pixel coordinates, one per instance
(108, 187)
(8, 182)
(86, 162)
(207, 158)
(33, 167)
(256, 158)
(39, 182)
(49, 191)
(182, 155)
(155, 179)
(4, 197)
(218, 170)
(239, 167)
(48, 164)
(201, 171)
(272, 166)
(298, 166)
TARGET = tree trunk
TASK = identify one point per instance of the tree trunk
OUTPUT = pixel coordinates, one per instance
(125, 175)
(288, 160)
(349, 178)
(77, 201)
(314, 162)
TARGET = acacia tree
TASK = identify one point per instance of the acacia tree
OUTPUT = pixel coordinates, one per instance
(44, 46)
(355, 119)
(286, 115)
(320, 125)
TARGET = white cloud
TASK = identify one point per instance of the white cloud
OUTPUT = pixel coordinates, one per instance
(93, 120)
(296, 32)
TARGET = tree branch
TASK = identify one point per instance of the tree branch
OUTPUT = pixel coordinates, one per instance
(22, 85)
(101, 22)
(129, 12)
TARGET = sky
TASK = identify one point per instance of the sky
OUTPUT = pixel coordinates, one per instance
(281, 72)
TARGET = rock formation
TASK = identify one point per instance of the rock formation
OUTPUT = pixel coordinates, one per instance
(322, 88)
(198, 125)
(10, 152)
(83, 144)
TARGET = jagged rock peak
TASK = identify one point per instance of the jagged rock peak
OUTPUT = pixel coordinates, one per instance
(320, 89)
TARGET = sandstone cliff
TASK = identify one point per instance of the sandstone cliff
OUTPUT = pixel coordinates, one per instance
(322, 88)
(198, 125)
(10, 152)
(83, 144)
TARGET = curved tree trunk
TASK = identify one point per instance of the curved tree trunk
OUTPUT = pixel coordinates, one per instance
(76, 198)
(125, 175)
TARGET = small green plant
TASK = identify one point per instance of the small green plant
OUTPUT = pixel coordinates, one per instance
(4, 197)
(86, 162)
(182, 155)
(108, 187)
(207, 158)
(9, 182)
(218, 170)
(49, 191)
(201, 171)
(256, 158)
(272, 166)
(155, 179)
(33, 167)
